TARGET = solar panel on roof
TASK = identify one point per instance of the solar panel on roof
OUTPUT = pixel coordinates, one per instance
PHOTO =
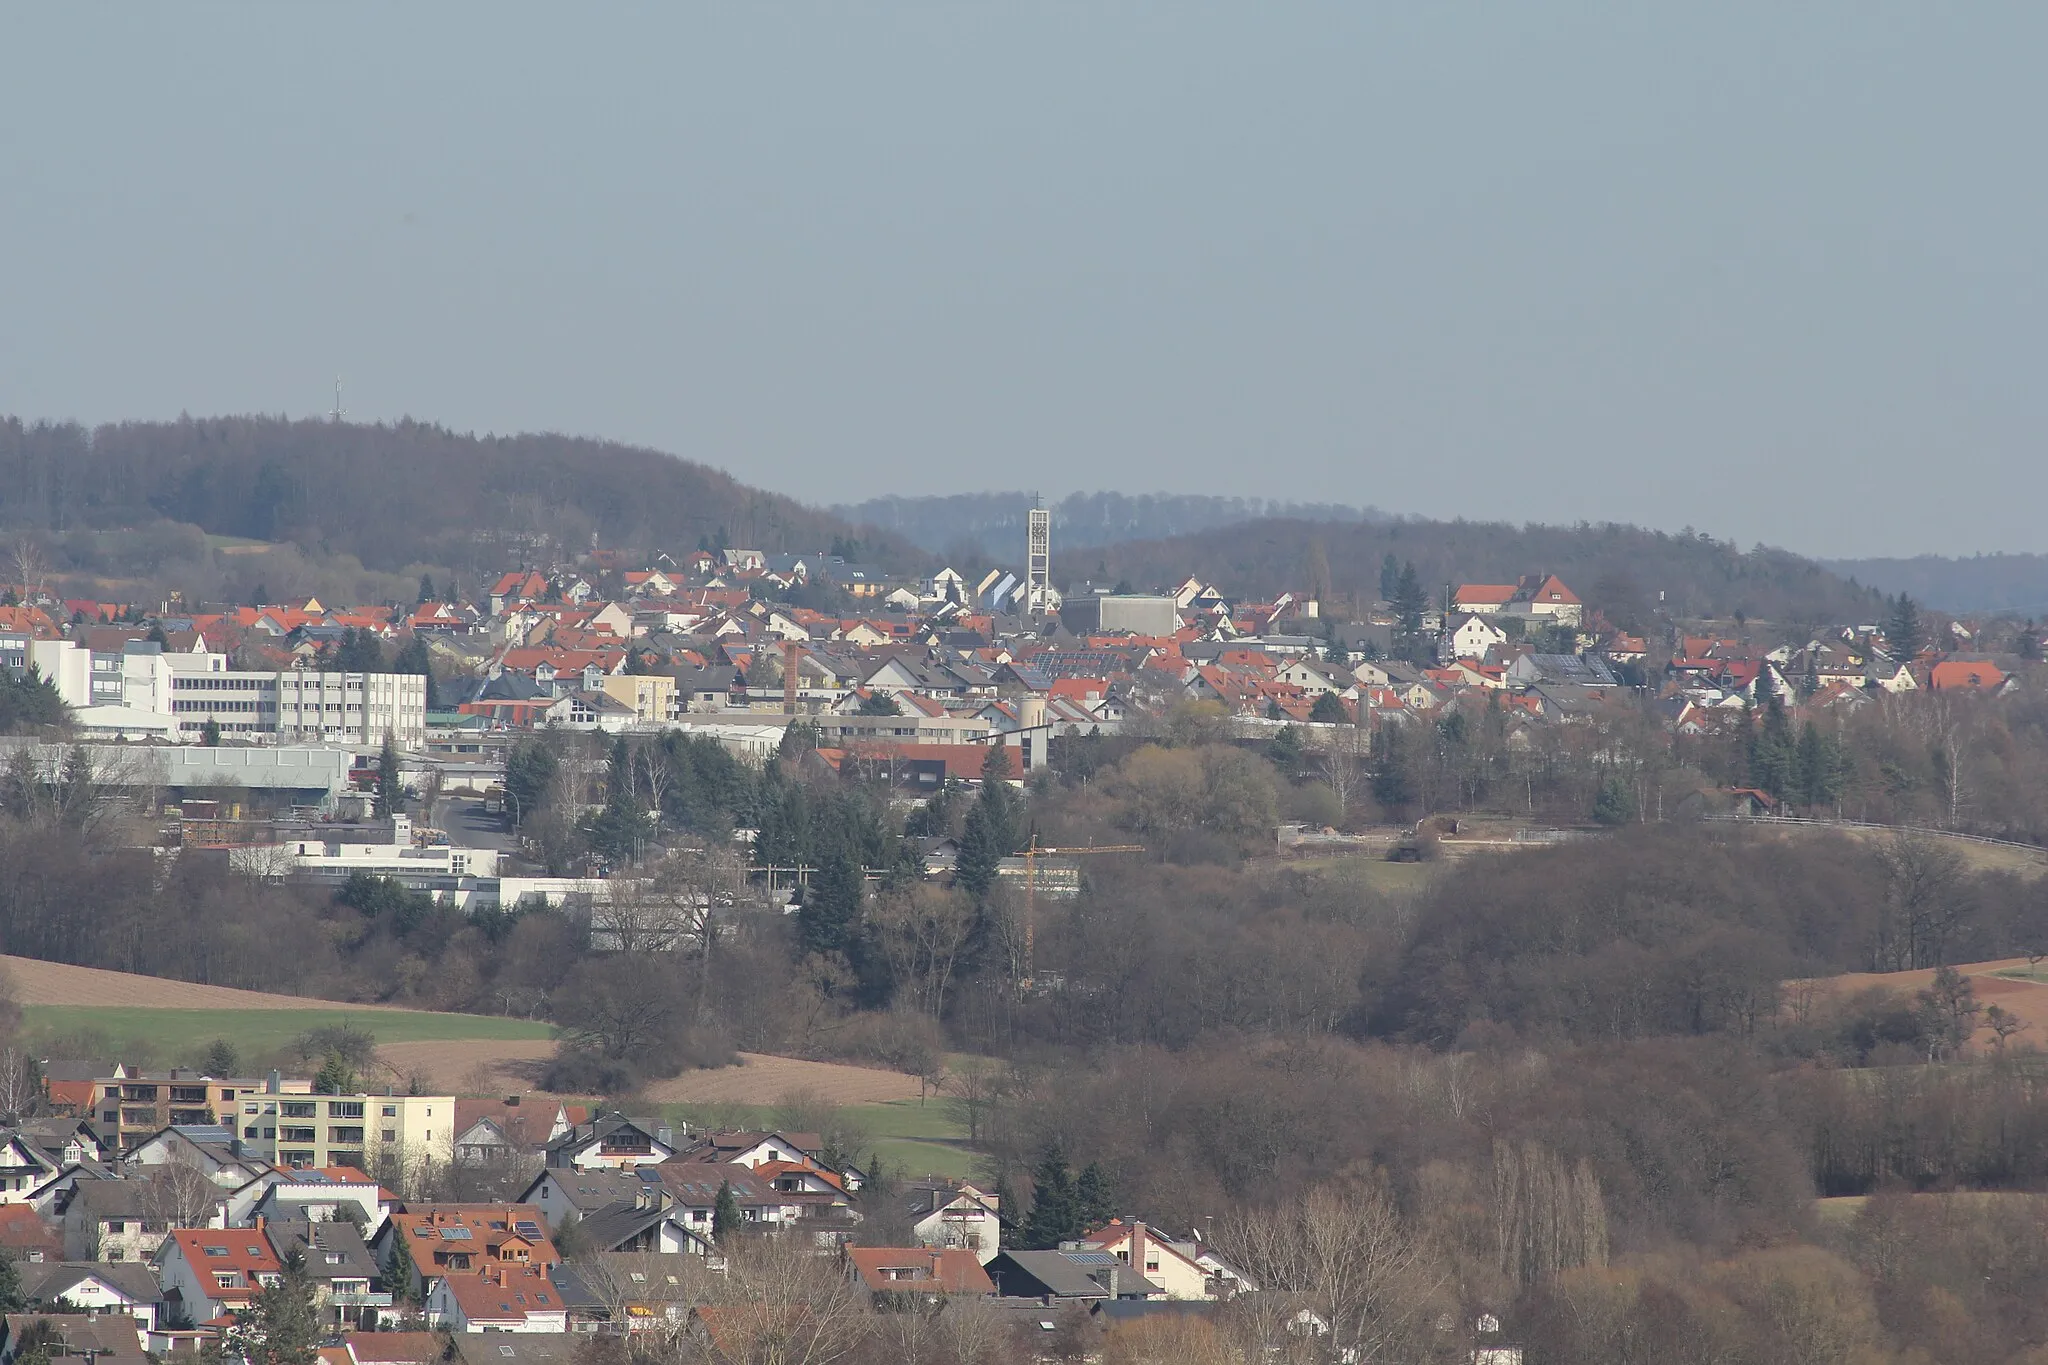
(455, 1234)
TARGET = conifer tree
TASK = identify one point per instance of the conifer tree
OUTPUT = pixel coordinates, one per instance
(1055, 1210)
(725, 1214)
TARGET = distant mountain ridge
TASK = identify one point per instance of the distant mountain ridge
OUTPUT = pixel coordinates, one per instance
(397, 495)
(2016, 583)
(993, 523)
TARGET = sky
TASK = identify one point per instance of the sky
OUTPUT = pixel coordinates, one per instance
(1773, 272)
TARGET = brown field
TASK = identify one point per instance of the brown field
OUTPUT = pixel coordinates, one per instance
(2007, 982)
(57, 983)
(489, 1066)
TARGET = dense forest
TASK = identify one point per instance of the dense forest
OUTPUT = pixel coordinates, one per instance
(392, 498)
(1630, 573)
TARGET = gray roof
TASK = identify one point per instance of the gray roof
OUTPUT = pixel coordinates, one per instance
(609, 1227)
(319, 1241)
(518, 1348)
(52, 1281)
(1068, 1274)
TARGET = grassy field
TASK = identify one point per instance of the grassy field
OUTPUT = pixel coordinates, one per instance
(913, 1139)
(172, 1036)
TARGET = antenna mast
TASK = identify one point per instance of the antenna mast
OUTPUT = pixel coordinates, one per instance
(339, 411)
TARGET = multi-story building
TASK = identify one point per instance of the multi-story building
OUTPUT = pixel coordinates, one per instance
(360, 708)
(349, 1130)
(129, 1106)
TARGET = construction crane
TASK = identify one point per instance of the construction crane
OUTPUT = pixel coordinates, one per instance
(1031, 858)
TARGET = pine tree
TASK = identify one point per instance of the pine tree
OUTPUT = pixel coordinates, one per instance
(1055, 1210)
(1902, 629)
(1390, 576)
(831, 913)
(1329, 710)
(725, 1214)
(389, 791)
(12, 1299)
(1614, 805)
(335, 1077)
(1818, 767)
(1094, 1196)
(400, 1276)
(281, 1327)
(222, 1060)
(1773, 753)
(1390, 782)
(426, 587)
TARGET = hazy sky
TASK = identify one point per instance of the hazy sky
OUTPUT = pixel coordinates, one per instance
(1774, 271)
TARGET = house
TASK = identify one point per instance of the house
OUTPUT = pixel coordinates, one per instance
(898, 1275)
(395, 1348)
(500, 1130)
(336, 1261)
(1178, 1275)
(95, 1288)
(25, 1238)
(452, 1240)
(1482, 599)
(125, 1220)
(750, 1149)
(318, 1193)
(523, 1348)
(23, 1168)
(110, 1340)
(629, 1292)
(206, 1272)
(613, 1141)
(1472, 637)
(1080, 1276)
(1959, 675)
(500, 1299)
(648, 1222)
(953, 1214)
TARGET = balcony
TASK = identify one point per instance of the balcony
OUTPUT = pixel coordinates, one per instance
(359, 1298)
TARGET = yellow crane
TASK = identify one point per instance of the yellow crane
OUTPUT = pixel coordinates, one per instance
(1031, 857)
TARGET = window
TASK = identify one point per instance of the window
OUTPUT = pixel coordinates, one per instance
(296, 1111)
(226, 1279)
(334, 1258)
(345, 1109)
(114, 1254)
(390, 1111)
(390, 1135)
(116, 1225)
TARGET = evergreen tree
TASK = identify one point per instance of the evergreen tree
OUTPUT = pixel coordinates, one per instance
(725, 1214)
(1819, 767)
(281, 1327)
(12, 1299)
(1902, 629)
(400, 1277)
(1614, 804)
(2028, 643)
(529, 768)
(1094, 1196)
(415, 658)
(426, 587)
(389, 791)
(222, 1060)
(335, 1077)
(1286, 749)
(1773, 753)
(1328, 710)
(1390, 577)
(880, 704)
(1409, 600)
(1391, 785)
(829, 919)
(1055, 1208)
(797, 740)
(209, 733)
(29, 703)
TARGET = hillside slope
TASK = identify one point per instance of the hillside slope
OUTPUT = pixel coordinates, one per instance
(1631, 573)
(394, 496)
(993, 523)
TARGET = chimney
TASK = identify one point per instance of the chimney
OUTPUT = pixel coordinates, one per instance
(1112, 1280)
(276, 1085)
(1137, 1247)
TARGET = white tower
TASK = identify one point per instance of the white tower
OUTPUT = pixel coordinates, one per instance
(1038, 599)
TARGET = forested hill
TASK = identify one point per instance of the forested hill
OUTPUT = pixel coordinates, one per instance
(2003, 583)
(399, 495)
(1622, 569)
(993, 523)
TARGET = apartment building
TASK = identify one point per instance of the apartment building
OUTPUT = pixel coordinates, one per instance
(129, 1106)
(348, 1130)
(360, 708)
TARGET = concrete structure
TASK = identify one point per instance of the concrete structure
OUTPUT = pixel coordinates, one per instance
(349, 1130)
(300, 775)
(1137, 613)
(129, 1106)
(1039, 598)
(357, 708)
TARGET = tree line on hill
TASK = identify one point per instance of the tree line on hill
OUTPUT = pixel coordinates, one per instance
(392, 498)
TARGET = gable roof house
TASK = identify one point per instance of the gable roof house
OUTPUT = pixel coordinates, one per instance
(465, 1239)
(206, 1272)
(130, 1289)
(893, 1275)
(501, 1299)
(614, 1141)
(953, 1214)
(1178, 1274)
(1070, 1275)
